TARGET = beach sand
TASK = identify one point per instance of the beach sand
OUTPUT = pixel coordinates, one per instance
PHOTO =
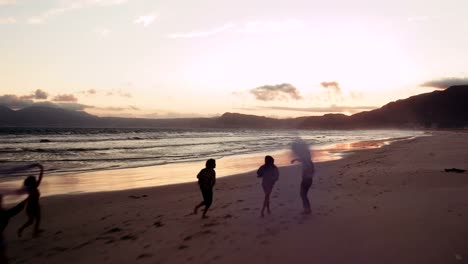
(394, 204)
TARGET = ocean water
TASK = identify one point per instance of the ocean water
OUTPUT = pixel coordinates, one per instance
(72, 151)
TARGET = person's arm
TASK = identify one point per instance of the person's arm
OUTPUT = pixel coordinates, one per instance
(200, 173)
(41, 173)
(214, 178)
(294, 160)
(17, 209)
(260, 172)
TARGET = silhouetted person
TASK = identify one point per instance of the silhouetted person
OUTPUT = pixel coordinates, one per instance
(5, 216)
(302, 152)
(33, 209)
(269, 174)
(308, 171)
(206, 181)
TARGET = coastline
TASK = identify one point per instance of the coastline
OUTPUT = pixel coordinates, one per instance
(176, 173)
(393, 204)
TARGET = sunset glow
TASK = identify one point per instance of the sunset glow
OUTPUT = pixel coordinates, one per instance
(183, 59)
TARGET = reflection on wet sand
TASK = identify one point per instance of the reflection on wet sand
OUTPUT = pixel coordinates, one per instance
(111, 180)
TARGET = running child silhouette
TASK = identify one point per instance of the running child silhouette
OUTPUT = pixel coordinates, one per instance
(33, 209)
(206, 181)
(269, 174)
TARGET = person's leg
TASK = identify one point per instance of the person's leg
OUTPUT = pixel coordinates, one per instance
(38, 221)
(28, 223)
(268, 194)
(195, 210)
(265, 200)
(305, 186)
(208, 200)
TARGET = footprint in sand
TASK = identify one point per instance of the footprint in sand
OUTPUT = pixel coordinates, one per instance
(144, 255)
(182, 247)
(113, 230)
(129, 237)
(158, 224)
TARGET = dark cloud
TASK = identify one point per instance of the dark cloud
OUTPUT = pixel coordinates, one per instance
(65, 98)
(40, 94)
(328, 109)
(14, 102)
(444, 83)
(280, 92)
(333, 86)
(68, 106)
(27, 97)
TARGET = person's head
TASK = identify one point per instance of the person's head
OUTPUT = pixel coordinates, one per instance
(211, 163)
(30, 182)
(269, 160)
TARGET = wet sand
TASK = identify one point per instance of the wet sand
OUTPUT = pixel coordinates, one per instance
(140, 177)
(394, 204)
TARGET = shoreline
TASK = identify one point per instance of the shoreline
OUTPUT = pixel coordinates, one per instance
(384, 205)
(176, 173)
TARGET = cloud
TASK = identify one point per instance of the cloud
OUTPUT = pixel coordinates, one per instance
(65, 98)
(145, 20)
(260, 26)
(7, 2)
(14, 102)
(40, 94)
(334, 86)
(7, 20)
(356, 95)
(203, 33)
(328, 109)
(68, 106)
(102, 32)
(70, 5)
(282, 91)
(444, 83)
(119, 93)
(118, 109)
(168, 114)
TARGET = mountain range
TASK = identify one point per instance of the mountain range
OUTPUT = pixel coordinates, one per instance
(438, 109)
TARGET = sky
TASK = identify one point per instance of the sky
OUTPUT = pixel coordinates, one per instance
(166, 59)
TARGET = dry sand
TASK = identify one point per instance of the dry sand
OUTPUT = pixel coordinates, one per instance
(394, 204)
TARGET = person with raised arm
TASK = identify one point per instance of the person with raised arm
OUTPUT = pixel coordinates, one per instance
(33, 209)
